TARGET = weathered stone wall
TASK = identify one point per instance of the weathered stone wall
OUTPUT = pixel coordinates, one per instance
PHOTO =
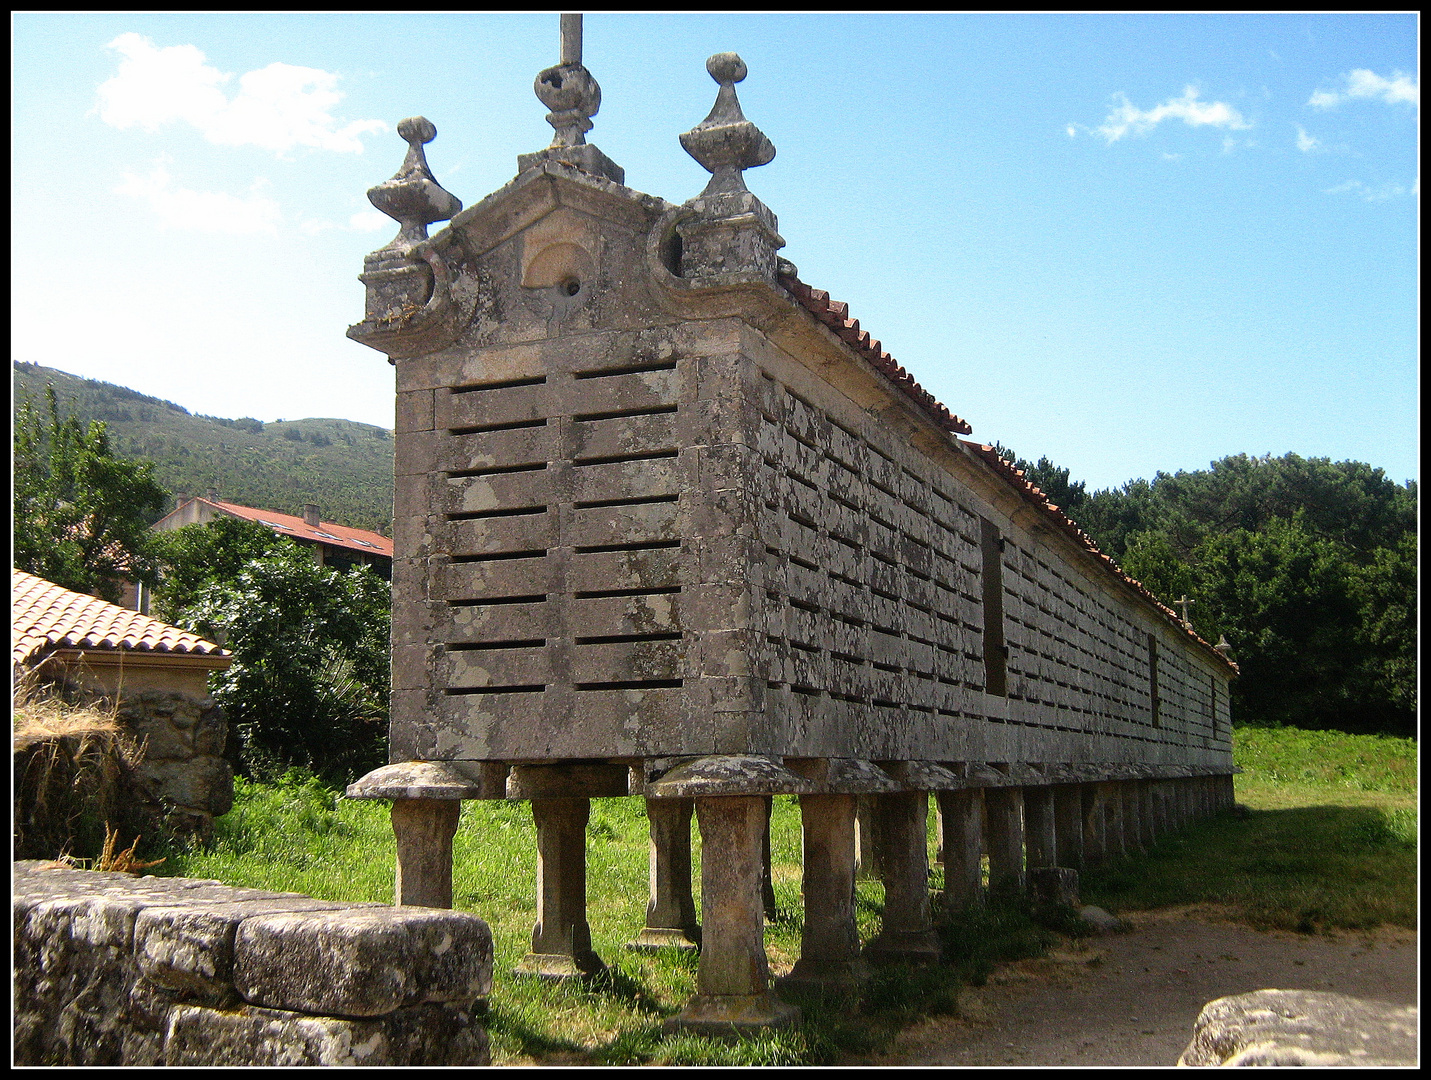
(110, 969)
(183, 763)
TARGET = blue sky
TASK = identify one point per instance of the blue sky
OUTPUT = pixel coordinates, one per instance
(1130, 243)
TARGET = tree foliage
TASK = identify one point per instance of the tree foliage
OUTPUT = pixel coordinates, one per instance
(81, 513)
(309, 682)
(1307, 567)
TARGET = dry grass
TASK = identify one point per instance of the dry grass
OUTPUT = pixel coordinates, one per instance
(73, 770)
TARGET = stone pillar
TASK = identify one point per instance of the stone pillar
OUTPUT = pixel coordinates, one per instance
(732, 982)
(1131, 799)
(767, 880)
(1040, 838)
(1229, 792)
(866, 864)
(1095, 835)
(1004, 807)
(424, 829)
(671, 910)
(561, 939)
(830, 942)
(1111, 796)
(1148, 830)
(962, 813)
(907, 930)
(1068, 825)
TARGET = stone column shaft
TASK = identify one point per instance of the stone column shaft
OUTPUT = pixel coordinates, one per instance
(1110, 795)
(1068, 825)
(866, 864)
(1147, 825)
(1004, 808)
(907, 930)
(671, 909)
(830, 940)
(1040, 837)
(767, 879)
(424, 829)
(962, 813)
(561, 939)
(1095, 834)
(732, 981)
(1131, 804)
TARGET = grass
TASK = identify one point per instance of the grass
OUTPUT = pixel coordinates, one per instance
(1329, 842)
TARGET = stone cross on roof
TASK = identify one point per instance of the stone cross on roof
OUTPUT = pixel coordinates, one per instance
(1183, 603)
(574, 97)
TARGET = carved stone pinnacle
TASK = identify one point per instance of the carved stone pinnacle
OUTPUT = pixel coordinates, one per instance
(725, 142)
(573, 96)
(413, 197)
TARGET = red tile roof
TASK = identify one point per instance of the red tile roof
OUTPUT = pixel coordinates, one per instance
(45, 616)
(327, 532)
(835, 315)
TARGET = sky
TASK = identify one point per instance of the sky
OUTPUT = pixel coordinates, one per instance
(1131, 243)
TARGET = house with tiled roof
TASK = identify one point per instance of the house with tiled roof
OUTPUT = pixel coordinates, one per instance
(339, 546)
(106, 648)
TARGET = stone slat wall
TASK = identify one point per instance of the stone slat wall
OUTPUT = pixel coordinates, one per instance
(110, 969)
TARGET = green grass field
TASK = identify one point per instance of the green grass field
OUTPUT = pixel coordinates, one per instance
(1330, 842)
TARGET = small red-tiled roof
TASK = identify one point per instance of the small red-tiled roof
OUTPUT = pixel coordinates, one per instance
(326, 533)
(1069, 527)
(45, 616)
(835, 315)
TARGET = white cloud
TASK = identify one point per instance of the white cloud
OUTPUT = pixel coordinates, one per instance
(203, 211)
(278, 107)
(1379, 193)
(1362, 83)
(1128, 119)
(1306, 143)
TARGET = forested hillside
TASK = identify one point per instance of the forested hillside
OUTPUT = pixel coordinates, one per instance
(343, 466)
(1307, 565)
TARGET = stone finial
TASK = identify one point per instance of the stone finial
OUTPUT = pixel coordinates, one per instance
(413, 197)
(574, 97)
(1222, 646)
(725, 142)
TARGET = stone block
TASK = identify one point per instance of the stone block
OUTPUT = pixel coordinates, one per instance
(430, 1034)
(362, 963)
(1303, 1027)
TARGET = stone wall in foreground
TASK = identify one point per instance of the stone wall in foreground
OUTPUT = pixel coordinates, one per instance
(111, 969)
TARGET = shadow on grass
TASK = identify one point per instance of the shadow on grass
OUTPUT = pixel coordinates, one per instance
(1306, 869)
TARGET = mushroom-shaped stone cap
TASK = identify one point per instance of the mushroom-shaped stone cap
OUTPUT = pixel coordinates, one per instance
(417, 129)
(727, 67)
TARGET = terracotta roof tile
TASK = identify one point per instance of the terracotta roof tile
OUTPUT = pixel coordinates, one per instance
(835, 315)
(46, 616)
(327, 532)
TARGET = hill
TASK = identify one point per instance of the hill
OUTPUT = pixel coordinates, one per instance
(343, 466)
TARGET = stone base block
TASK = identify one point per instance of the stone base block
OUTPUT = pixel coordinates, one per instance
(656, 938)
(557, 967)
(721, 1016)
(825, 977)
(910, 947)
(1054, 886)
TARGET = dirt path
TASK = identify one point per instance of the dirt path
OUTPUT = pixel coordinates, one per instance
(1130, 999)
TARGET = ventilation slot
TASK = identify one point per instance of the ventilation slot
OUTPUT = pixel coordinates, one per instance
(640, 684)
(617, 458)
(462, 474)
(619, 414)
(623, 639)
(500, 556)
(537, 598)
(510, 511)
(629, 369)
(597, 504)
(489, 646)
(653, 545)
(510, 425)
(532, 688)
(477, 388)
(602, 594)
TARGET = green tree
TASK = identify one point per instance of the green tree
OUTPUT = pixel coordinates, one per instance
(309, 681)
(81, 514)
(199, 555)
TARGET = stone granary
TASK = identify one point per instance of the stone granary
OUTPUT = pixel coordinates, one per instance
(668, 523)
